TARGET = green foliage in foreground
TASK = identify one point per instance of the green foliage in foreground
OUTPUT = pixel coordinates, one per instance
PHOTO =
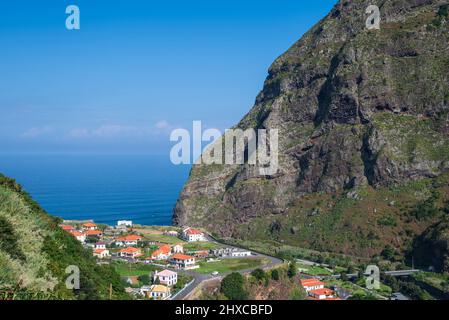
(233, 287)
(35, 252)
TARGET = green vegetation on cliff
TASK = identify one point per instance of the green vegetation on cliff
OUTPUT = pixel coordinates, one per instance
(35, 252)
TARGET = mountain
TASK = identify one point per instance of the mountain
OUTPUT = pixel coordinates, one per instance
(363, 138)
(35, 252)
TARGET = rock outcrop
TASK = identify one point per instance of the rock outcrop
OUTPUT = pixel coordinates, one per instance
(355, 109)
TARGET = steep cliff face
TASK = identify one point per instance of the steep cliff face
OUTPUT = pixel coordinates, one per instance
(358, 112)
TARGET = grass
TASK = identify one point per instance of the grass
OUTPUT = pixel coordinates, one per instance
(129, 270)
(163, 238)
(230, 265)
(314, 270)
(196, 246)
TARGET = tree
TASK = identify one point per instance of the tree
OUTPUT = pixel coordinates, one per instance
(275, 275)
(443, 11)
(292, 269)
(259, 274)
(145, 279)
(233, 287)
(388, 253)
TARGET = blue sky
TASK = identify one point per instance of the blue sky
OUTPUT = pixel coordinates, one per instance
(136, 69)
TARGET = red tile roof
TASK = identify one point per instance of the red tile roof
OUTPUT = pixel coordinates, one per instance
(311, 283)
(93, 233)
(131, 237)
(130, 250)
(179, 256)
(89, 225)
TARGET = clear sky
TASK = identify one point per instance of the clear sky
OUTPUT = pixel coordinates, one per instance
(136, 69)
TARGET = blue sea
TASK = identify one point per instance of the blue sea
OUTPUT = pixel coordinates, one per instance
(105, 188)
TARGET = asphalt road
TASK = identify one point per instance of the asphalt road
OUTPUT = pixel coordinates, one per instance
(199, 278)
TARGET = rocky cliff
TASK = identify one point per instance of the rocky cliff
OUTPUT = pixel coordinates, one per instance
(363, 136)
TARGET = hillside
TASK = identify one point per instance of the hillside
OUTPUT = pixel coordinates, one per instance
(34, 253)
(363, 138)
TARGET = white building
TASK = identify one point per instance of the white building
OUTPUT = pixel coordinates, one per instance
(101, 253)
(312, 284)
(178, 248)
(241, 253)
(100, 245)
(166, 277)
(128, 241)
(159, 292)
(81, 237)
(125, 223)
(193, 235)
(182, 261)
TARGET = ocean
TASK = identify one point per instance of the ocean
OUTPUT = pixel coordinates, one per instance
(105, 188)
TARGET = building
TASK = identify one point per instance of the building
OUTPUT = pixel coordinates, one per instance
(178, 248)
(241, 253)
(202, 254)
(129, 240)
(125, 223)
(93, 233)
(130, 252)
(101, 253)
(100, 245)
(171, 233)
(79, 236)
(182, 261)
(193, 235)
(67, 228)
(89, 226)
(322, 294)
(159, 292)
(230, 252)
(312, 284)
(163, 253)
(166, 277)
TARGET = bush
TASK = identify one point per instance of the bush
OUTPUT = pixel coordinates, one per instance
(259, 274)
(145, 279)
(275, 275)
(292, 269)
(233, 287)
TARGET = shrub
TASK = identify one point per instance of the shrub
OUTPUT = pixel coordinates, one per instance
(275, 275)
(233, 287)
(259, 274)
(292, 269)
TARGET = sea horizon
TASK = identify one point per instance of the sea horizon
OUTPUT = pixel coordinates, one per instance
(104, 187)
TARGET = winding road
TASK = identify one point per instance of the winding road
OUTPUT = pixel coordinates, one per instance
(200, 278)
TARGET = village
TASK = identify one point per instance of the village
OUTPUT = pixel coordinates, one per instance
(168, 263)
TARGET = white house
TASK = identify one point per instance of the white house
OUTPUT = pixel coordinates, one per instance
(89, 226)
(241, 253)
(130, 253)
(166, 277)
(182, 261)
(125, 223)
(81, 237)
(178, 248)
(100, 245)
(312, 284)
(128, 241)
(322, 294)
(192, 235)
(159, 292)
(101, 253)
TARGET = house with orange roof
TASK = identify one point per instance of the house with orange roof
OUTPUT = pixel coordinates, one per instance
(67, 228)
(89, 226)
(182, 261)
(129, 240)
(166, 277)
(130, 252)
(163, 253)
(322, 294)
(193, 235)
(101, 253)
(97, 233)
(81, 237)
(312, 284)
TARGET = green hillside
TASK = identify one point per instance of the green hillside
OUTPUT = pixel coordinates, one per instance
(35, 252)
